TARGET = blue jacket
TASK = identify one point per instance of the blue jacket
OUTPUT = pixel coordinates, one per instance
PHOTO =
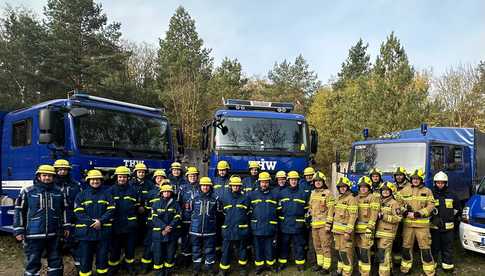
(69, 187)
(205, 209)
(250, 183)
(187, 193)
(263, 207)
(305, 186)
(126, 201)
(143, 186)
(220, 184)
(176, 182)
(293, 207)
(93, 204)
(165, 212)
(236, 216)
(40, 211)
(148, 200)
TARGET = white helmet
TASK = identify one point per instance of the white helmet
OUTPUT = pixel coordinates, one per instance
(440, 176)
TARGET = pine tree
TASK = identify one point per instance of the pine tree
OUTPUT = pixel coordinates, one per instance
(356, 65)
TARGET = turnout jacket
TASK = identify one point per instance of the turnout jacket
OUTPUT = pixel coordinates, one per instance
(236, 216)
(345, 215)
(293, 206)
(322, 205)
(176, 182)
(69, 187)
(389, 218)
(93, 204)
(186, 194)
(41, 211)
(447, 209)
(250, 183)
(205, 208)
(368, 209)
(126, 201)
(419, 200)
(263, 207)
(165, 212)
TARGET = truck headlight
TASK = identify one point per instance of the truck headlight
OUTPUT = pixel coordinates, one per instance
(466, 214)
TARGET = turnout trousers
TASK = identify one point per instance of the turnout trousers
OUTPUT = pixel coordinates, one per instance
(423, 236)
(442, 246)
(364, 246)
(164, 254)
(33, 249)
(227, 249)
(263, 251)
(345, 252)
(87, 250)
(297, 242)
(322, 242)
(383, 256)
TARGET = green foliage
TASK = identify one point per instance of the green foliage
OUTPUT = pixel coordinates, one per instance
(356, 65)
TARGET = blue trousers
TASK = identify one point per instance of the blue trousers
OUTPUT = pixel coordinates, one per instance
(33, 250)
(203, 247)
(227, 247)
(87, 250)
(186, 246)
(147, 246)
(263, 250)
(125, 242)
(164, 254)
(297, 242)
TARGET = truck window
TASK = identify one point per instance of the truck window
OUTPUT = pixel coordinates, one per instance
(455, 158)
(22, 133)
(437, 158)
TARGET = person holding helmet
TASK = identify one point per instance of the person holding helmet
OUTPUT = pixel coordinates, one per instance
(264, 222)
(166, 218)
(447, 211)
(70, 188)
(419, 205)
(222, 178)
(293, 205)
(390, 214)
(345, 215)
(306, 183)
(369, 206)
(205, 206)
(322, 203)
(187, 192)
(40, 227)
(250, 182)
(93, 210)
(400, 181)
(235, 230)
(127, 201)
(176, 177)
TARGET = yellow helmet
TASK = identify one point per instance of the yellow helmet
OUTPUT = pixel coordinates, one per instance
(280, 174)
(264, 176)
(319, 176)
(344, 181)
(400, 170)
(223, 165)
(388, 185)
(159, 172)
(166, 188)
(308, 171)
(375, 171)
(46, 169)
(93, 174)
(176, 165)
(365, 180)
(62, 164)
(417, 173)
(205, 181)
(122, 170)
(140, 167)
(235, 181)
(253, 164)
(192, 170)
(293, 175)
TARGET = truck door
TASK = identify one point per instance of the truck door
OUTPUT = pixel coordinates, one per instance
(455, 169)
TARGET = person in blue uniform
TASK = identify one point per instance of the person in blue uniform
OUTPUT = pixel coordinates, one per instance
(250, 182)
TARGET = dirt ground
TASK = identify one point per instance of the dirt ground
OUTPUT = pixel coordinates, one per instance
(11, 262)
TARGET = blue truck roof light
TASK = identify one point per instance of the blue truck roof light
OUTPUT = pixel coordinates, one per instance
(81, 96)
(258, 105)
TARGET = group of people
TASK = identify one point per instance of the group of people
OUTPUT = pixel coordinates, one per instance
(186, 218)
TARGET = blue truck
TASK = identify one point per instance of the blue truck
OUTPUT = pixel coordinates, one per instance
(459, 152)
(89, 131)
(266, 132)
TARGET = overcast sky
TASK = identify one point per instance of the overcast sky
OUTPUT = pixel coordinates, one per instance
(435, 34)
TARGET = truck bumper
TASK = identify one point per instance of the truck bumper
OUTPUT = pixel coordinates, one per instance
(472, 238)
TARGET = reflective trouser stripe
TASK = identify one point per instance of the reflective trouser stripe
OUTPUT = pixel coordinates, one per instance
(327, 262)
(319, 260)
(146, 261)
(85, 273)
(270, 262)
(447, 266)
(364, 267)
(259, 263)
(169, 265)
(282, 261)
(224, 267)
(300, 262)
(243, 262)
(157, 267)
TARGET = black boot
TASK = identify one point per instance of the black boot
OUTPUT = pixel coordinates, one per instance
(197, 269)
(281, 267)
(159, 272)
(259, 270)
(243, 272)
(300, 267)
(316, 268)
(145, 268)
(324, 271)
(223, 273)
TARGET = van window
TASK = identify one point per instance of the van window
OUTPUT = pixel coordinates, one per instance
(455, 158)
(437, 158)
(22, 133)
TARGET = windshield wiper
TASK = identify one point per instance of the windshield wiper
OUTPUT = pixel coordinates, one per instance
(275, 148)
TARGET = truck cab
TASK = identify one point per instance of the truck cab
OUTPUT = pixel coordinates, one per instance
(266, 132)
(472, 226)
(90, 132)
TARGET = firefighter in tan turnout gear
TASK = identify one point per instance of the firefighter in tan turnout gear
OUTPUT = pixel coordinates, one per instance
(390, 214)
(366, 221)
(418, 204)
(321, 210)
(343, 226)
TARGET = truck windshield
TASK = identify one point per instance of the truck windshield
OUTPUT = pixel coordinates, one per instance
(387, 157)
(263, 135)
(114, 133)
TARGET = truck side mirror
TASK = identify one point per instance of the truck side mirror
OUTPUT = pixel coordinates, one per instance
(46, 116)
(180, 141)
(313, 141)
(337, 161)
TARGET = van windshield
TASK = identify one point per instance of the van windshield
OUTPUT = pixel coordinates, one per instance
(387, 157)
(113, 133)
